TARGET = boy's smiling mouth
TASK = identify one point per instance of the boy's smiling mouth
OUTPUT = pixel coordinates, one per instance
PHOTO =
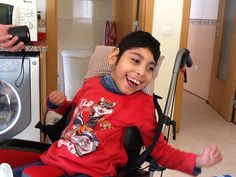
(132, 81)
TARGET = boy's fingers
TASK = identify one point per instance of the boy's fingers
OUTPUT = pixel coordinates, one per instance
(54, 94)
(56, 98)
(53, 98)
(216, 154)
(216, 150)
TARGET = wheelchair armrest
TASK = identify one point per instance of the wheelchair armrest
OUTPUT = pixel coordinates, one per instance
(25, 145)
(18, 152)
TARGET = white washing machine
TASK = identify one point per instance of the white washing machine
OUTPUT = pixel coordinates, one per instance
(19, 95)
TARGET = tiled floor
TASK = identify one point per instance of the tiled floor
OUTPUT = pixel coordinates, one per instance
(201, 126)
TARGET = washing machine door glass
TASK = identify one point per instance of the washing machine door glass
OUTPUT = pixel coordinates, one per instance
(9, 106)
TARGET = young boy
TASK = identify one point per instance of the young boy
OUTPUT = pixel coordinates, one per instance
(92, 143)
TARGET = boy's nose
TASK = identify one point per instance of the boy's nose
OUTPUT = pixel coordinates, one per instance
(141, 70)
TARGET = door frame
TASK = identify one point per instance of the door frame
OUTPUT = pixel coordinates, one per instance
(51, 42)
(183, 44)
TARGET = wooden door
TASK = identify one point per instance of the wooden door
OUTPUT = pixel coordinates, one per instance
(223, 76)
(234, 112)
(123, 13)
(127, 12)
(145, 14)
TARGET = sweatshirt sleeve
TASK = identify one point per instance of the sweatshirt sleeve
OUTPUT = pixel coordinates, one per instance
(173, 158)
(58, 109)
(164, 154)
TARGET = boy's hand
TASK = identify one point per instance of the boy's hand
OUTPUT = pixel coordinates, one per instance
(57, 97)
(210, 156)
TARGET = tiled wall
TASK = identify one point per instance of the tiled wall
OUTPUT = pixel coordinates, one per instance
(77, 31)
(201, 45)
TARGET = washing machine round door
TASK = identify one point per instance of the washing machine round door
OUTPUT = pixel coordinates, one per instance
(10, 106)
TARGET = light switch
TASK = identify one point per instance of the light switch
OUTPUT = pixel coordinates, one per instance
(166, 30)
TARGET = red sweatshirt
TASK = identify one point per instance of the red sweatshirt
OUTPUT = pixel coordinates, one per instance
(93, 141)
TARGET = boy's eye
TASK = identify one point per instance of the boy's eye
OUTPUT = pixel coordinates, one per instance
(135, 60)
(151, 68)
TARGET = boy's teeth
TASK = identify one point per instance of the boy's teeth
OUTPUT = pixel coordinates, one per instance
(133, 80)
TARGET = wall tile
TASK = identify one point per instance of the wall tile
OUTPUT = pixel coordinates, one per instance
(201, 45)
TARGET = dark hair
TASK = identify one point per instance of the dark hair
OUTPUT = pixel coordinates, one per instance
(139, 39)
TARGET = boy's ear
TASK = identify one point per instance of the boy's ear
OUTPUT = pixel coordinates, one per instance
(112, 57)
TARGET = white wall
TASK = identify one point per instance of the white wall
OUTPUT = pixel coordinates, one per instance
(41, 6)
(167, 21)
(201, 39)
(80, 27)
(202, 9)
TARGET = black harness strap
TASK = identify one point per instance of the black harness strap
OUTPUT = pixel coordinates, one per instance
(146, 154)
(54, 131)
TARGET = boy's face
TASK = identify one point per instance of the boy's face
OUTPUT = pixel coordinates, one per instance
(134, 69)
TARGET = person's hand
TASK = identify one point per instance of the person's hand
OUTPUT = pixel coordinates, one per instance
(6, 40)
(210, 156)
(57, 97)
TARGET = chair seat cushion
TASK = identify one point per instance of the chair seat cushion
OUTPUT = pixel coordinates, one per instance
(39, 171)
(131, 173)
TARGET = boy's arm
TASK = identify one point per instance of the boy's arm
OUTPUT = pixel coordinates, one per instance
(176, 159)
(163, 153)
(173, 158)
(57, 102)
(58, 109)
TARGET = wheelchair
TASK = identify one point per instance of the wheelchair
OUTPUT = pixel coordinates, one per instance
(18, 152)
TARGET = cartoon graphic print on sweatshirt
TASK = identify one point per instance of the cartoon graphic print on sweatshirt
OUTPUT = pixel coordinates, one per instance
(83, 133)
